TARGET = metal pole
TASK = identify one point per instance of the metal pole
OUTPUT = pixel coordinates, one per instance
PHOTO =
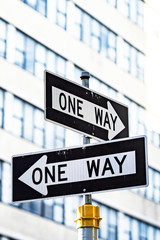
(87, 215)
(85, 76)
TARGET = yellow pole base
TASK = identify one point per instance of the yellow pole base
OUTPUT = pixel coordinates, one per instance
(87, 215)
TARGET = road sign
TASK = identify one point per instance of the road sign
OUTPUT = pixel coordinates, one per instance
(86, 169)
(80, 109)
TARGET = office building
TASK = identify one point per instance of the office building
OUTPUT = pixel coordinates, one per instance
(117, 42)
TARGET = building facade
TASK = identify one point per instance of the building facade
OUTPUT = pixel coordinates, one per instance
(117, 41)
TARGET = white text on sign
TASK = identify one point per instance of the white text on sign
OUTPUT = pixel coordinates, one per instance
(40, 175)
(105, 118)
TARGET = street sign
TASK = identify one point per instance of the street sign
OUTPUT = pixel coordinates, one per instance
(83, 110)
(89, 168)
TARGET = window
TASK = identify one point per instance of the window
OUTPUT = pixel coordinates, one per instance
(6, 182)
(17, 117)
(126, 57)
(20, 50)
(0, 180)
(140, 13)
(71, 204)
(95, 35)
(38, 5)
(113, 2)
(133, 10)
(124, 6)
(58, 210)
(28, 122)
(143, 231)
(61, 17)
(1, 108)
(35, 58)
(38, 128)
(111, 46)
(60, 67)
(86, 29)
(3, 38)
(48, 208)
(78, 23)
(133, 61)
(112, 225)
(40, 60)
(59, 138)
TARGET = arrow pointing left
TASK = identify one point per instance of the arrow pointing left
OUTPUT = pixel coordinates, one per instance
(33, 176)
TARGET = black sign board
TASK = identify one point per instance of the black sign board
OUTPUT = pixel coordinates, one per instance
(83, 110)
(89, 168)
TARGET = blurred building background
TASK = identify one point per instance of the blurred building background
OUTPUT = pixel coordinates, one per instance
(118, 42)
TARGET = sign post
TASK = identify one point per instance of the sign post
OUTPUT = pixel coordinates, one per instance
(87, 230)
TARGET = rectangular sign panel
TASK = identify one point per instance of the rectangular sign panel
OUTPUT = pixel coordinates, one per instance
(86, 169)
(80, 109)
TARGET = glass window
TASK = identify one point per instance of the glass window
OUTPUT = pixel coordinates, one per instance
(6, 182)
(124, 6)
(126, 57)
(48, 208)
(133, 61)
(104, 41)
(17, 117)
(51, 61)
(77, 74)
(28, 122)
(59, 210)
(36, 207)
(140, 65)
(61, 13)
(20, 50)
(60, 66)
(0, 180)
(134, 10)
(112, 46)
(42, 7)
(71, 204)
(127, 228)
(157, 234)
(113, 2)
(78, 23)
(140, 13)
(3, 37)
(31, 3)
(150, 190)
(59, 137)
(86, 28)
(38, 135)
(40, 60)
(95, 35)
(49, 135)
(156, 182)
(1, 108)
(112, 224)
(143, 231)
(30, 51)
(38, 5)
(104, 215)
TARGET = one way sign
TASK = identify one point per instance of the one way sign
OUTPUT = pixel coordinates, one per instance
(86, 169)
(83, 110)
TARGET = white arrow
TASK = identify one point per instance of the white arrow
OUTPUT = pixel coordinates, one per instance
(119, 126)
(27, 177)
(70, 104)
